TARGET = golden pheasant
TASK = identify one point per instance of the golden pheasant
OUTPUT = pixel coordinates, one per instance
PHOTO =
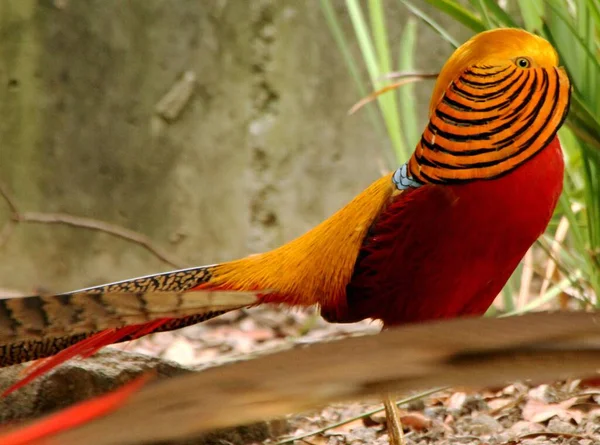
(437, 238)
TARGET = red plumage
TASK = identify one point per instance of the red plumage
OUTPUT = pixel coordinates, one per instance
(440, 251)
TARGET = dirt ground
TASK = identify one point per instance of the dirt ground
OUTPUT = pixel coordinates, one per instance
(522, 413)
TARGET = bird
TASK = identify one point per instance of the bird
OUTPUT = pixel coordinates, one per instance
(437, 238)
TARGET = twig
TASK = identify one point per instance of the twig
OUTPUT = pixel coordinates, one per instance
(404, 74)
(559, 237)
(371, 97)
(12, 205)
(100, 226)
(526, 279)
(360, 416)
(6, 232)
(79, 222)
(563, 269)
(392, 419)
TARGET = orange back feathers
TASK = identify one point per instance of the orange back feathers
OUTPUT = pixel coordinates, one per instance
(316, 267)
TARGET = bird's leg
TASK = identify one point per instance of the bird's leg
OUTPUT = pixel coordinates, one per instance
(394, 425)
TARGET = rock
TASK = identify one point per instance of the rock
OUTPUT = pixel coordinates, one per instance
(79, 380)
(525, 427)
(560, 426)
(435, 412)
(483, 424)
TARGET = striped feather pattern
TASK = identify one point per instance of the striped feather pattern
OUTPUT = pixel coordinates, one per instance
(490, 120)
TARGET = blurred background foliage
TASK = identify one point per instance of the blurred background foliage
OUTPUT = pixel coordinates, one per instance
(563, 269)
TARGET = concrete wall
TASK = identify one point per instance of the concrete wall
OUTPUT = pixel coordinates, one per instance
(262, 151)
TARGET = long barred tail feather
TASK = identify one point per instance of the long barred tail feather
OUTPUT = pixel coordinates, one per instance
(59, 327)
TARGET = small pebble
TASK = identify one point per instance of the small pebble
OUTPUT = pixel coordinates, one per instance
(483, 424)
(560, 426)
(525, 427)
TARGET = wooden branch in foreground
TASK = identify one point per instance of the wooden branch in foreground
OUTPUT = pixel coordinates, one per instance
(467, 352)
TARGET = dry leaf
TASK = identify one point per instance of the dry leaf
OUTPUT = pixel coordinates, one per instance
(347, 427)
(497, 405)
(538, 411)
(448, 420)
(456, 401)
(415, 421)
(524, 427)
(541, 393)
(411, 419)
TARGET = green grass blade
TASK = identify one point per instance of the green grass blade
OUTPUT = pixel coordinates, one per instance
(484, 13)
(565, 208)
(431, 23)
(342, 43)
(388, 102)
(548, 296)
(369, 56)
(584, 123)
(460, 13)
(532, 12)
(586, 27)
(591, 199)
(575, 38)
(364, 39)
(406, 93)
(508, 298)
(380, 35)
(498, 15)
(593, 6)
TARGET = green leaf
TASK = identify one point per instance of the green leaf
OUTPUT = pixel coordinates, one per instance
(570, 41)
(406, 93)
(548, 296)
(593, 6)
(431, 23)
(483, 10)
(532, 12)
(459, 13)
(342, 43)
(364, 39)
(389, 105)
(584, 123)
(386, 102)
(497, 14)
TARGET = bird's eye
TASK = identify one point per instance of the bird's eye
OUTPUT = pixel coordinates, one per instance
(522, 62)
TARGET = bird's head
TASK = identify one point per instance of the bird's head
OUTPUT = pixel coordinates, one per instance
(498, 101)
(496, 47)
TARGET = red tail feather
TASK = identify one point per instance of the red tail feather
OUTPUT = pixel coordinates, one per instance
(85, 348)
(73, 416)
